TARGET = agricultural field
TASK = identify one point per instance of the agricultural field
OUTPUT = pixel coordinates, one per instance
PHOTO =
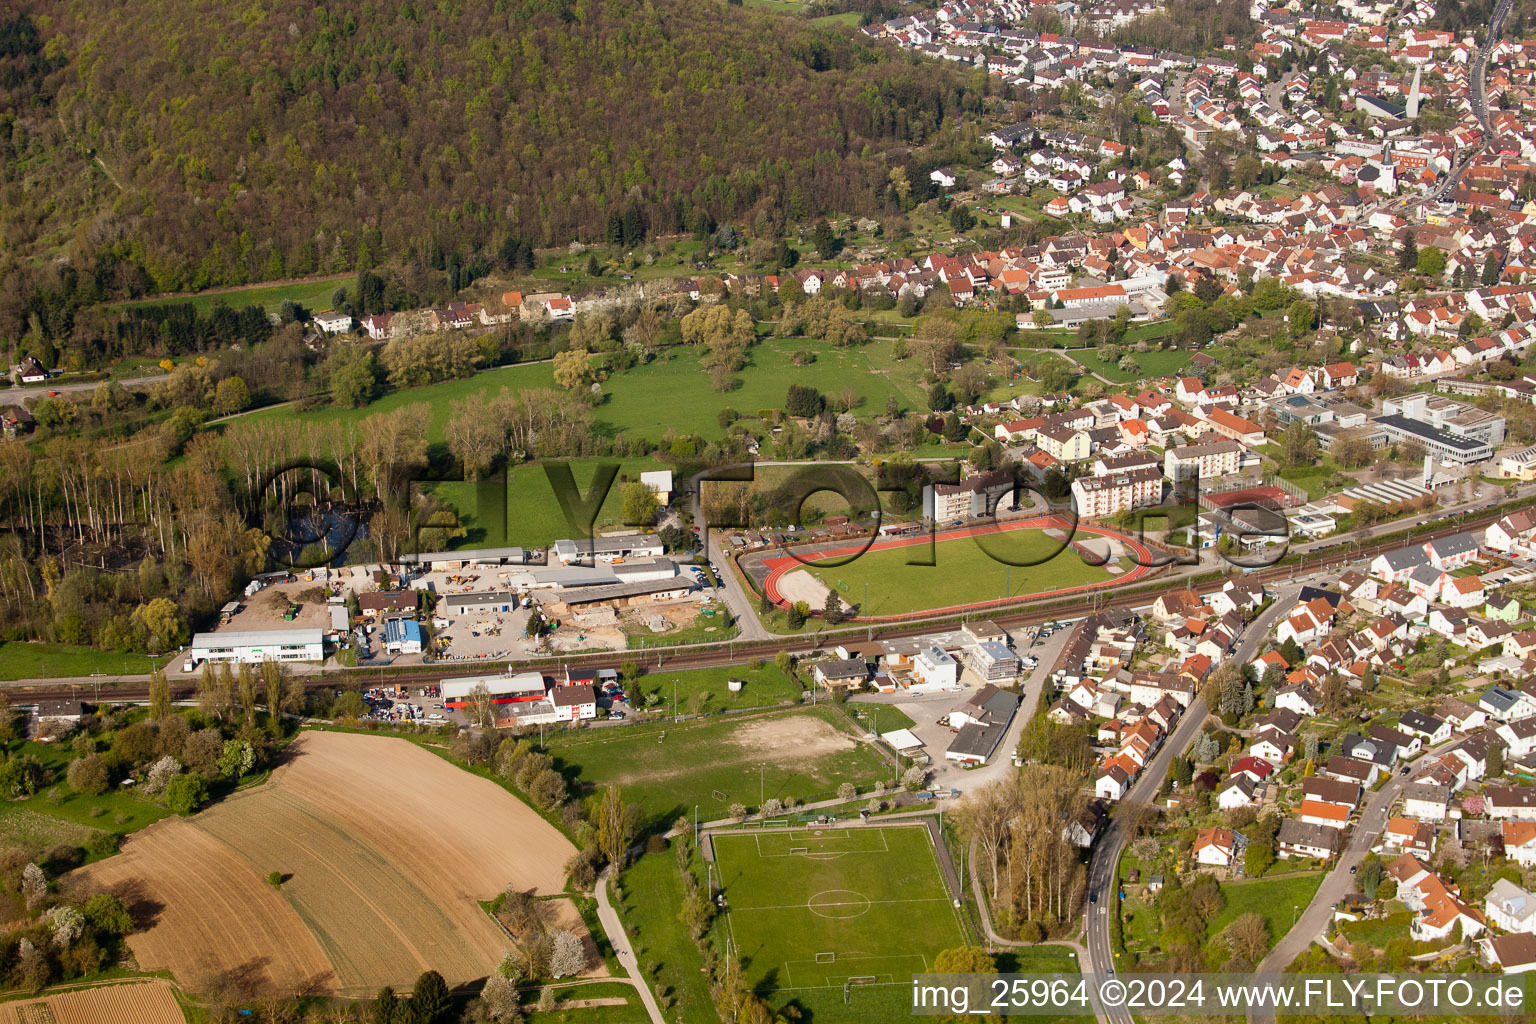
(669, 768)
(384, 849)
(962, 573)
(150, 1001)
(810, 909)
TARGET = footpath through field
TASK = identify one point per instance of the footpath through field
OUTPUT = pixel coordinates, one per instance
(618, 938)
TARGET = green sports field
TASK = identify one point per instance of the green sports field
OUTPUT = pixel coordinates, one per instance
(962, 573)
(669, 769)
(814, 908)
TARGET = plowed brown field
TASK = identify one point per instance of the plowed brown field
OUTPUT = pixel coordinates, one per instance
(386, 849)
(137, 1002)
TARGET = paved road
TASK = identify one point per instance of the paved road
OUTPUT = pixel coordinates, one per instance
(619, 940)
(64, 387)
(1477, 76)
(1313, 921)
(1099, 958)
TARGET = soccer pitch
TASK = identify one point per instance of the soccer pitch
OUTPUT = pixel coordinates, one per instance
(820, 908)
(962, 573)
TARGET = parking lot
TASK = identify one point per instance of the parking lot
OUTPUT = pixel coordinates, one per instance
(409, 704)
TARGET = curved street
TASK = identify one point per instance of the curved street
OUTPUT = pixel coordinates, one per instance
(1099, 958)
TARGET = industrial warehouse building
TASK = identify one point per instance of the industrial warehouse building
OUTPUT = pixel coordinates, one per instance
(506, 689)
(402, 636)
(255, 646)
(467, 558)
(606, 549)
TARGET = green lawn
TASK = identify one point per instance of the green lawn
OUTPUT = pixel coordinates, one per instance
(765, 686)
(962, 573)
(672, 393)
(1379, 932)
(873, 898)
(652, 893)
(880, 717)
(1317, 480)
(439, 397)
(313, 295)
(1272, 897)
(1157, 363)
(633, 1012)
(57, 814)
(531, 517)
(669, 768)
(22, 660)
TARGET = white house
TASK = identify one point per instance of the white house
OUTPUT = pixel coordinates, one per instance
(660, 483)
(1510, 907)
(1519, 737)
(1520, 841)
(1239, 791)
(332, 322)
(1300, 698)
(1426, 801)
(1112, 783)
(1214, 847)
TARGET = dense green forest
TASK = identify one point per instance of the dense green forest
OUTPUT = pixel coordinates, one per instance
(204, 143)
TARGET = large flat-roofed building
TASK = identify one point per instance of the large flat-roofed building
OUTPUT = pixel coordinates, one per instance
(994, 660)
(512, 688)
(974, 496)
(1442, 444)
(606, 549)
(467, 557)
(1449, 415)
(1097, 496)
(255, 646)
(1209, 461)
(454, 605)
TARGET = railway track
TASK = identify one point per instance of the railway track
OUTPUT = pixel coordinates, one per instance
(725, 653)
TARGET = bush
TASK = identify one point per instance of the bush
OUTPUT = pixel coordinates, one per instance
(88, 775)
(185, 793)
(103, 844)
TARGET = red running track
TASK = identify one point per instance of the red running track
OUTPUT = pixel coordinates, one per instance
(777, 567)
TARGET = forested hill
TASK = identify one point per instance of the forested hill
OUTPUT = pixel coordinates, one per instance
(255, 140)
